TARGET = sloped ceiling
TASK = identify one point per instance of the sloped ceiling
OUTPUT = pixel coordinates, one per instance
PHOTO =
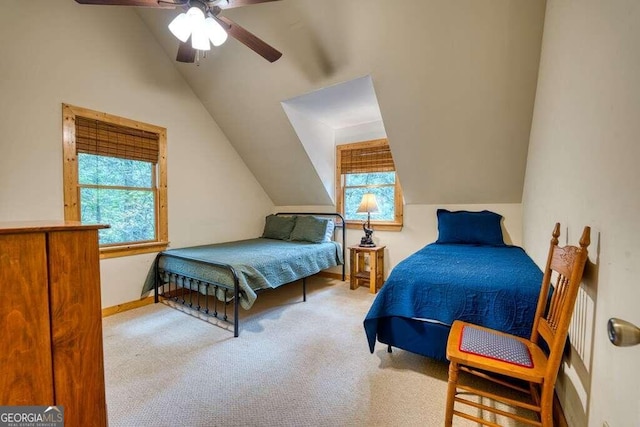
(344, 105)
(455, 82)
(321, 118)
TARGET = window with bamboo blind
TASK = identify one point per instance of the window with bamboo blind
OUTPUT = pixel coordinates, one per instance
(115, 173)
(368, 167)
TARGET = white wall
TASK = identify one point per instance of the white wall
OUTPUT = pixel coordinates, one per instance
(421, 228)
(582, 169)
(455, 81)
(364, 132)
(103, 58)
(420, 224)
(317, 138)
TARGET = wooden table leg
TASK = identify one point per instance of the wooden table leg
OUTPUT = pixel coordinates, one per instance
(379, 270)
(373, 265)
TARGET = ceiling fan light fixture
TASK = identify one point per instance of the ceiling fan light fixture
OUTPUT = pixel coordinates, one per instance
(215, 32)
(180, 27)
(200, 38)
(195, 15)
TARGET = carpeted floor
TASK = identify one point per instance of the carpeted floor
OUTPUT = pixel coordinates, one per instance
(295, 364)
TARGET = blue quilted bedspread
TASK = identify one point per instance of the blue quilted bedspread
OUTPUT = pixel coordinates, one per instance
(496, 287)
(260, 263)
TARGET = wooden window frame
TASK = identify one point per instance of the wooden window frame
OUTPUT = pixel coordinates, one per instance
(71, 185)
(396, 224)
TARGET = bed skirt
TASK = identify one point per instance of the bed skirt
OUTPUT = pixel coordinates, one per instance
(417, 336)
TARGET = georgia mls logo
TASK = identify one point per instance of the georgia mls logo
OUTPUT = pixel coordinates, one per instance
(31, 416)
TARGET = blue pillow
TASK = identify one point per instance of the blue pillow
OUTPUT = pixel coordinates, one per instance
(310, 229)
(278, 227)
(465, 227)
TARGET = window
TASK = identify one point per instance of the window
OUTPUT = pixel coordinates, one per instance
(368, 167)
(115, 173)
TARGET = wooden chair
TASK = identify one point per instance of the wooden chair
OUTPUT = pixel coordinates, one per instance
(485, 352)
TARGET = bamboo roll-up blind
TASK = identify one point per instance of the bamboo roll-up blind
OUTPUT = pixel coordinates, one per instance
(107, 139)
(366, 160)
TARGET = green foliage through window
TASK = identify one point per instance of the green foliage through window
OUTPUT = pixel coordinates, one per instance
(118, 192)
(382, 184)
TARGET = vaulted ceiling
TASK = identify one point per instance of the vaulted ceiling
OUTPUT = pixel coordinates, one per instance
(455, 81)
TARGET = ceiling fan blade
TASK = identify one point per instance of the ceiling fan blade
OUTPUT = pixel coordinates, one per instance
(165, 4)
(186, 53)
(230, 4)
(250, 40)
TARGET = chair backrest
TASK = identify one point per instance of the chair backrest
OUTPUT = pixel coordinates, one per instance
(563, 271)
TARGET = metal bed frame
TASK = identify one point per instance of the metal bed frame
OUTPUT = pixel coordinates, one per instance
(185, 283)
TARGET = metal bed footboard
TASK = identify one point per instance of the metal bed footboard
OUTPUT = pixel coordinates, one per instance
(183, 282)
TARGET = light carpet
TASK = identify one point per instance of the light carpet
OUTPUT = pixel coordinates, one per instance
(295, 364)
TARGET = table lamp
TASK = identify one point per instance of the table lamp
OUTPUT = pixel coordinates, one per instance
(368, 205)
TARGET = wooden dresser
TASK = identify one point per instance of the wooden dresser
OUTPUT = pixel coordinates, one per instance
(50, 319)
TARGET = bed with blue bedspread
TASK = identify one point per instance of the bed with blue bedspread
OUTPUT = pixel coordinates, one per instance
(293, 247)
(477, 280)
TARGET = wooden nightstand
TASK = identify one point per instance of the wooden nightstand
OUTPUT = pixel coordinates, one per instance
(375, 275)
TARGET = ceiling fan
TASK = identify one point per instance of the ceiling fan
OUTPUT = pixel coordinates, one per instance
(202, 23)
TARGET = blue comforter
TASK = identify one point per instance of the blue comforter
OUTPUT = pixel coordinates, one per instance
(260, 263)
(493, 286)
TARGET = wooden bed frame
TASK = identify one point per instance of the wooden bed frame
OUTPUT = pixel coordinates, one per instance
(185, 287)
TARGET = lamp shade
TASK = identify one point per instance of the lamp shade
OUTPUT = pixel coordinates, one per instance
(195, 15)
(199, 36)
(181, 27)
(368, 204)
(216, 33)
